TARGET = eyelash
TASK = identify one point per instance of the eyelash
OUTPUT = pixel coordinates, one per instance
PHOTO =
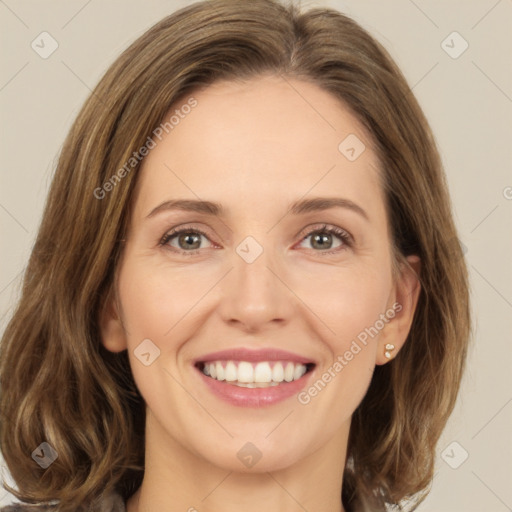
(345, 237)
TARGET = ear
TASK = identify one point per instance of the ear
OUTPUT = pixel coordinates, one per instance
(404, 300)
(113, 334)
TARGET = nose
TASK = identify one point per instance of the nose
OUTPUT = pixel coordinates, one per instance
(255, 296)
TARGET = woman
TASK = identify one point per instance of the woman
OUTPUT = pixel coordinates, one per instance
(245, 290)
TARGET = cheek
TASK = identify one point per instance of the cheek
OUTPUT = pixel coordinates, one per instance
(346, 301)
(348, 304)
(158, 305)
(157, 299)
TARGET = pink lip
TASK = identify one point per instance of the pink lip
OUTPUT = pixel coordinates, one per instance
(254, 397)
(250, 355)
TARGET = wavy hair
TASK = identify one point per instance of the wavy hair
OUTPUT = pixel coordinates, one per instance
(60, 385)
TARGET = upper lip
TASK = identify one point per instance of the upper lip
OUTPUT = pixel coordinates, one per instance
(253, 355)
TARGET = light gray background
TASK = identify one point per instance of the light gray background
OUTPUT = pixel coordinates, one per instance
(468, 101)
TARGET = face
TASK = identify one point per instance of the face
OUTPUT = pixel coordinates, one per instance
(258, 250)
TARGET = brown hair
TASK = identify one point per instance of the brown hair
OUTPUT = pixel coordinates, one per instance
(61, 386)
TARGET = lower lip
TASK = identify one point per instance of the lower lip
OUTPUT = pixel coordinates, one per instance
(254, 397)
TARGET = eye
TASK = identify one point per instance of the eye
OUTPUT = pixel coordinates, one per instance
(327, 239)
(184, 240)
(323, 239)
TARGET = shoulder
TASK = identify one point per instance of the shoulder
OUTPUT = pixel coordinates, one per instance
(111, 503)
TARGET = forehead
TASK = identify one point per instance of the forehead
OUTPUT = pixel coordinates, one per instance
(265, 138)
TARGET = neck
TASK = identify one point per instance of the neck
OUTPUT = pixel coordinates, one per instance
(178, 480)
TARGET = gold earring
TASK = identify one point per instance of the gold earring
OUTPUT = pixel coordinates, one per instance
(388, 348)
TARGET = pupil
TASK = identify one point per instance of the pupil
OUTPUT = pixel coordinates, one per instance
(190, 240)
(323, 239)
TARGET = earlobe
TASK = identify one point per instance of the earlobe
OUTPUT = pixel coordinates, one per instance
(407, 292)
(113, 335)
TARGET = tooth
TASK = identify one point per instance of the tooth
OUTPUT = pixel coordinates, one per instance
(299, 371)
(278, 372)
(219, 370)
(245, 372)
(288, 372)
(255, 384)
(262, 373)
(230, 373)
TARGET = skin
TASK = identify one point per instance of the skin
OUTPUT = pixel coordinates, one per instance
(255, 147)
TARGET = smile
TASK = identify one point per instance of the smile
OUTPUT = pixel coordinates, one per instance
(254, 375)
(254, 378)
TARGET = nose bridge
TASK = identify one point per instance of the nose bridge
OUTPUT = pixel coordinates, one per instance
(252, 293)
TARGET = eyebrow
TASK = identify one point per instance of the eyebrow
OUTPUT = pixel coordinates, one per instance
(297, 208)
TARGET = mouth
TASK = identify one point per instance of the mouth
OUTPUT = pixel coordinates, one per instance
(254, 378)
(262, 374)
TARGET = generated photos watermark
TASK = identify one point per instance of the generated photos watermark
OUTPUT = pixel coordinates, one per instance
(137, 156)
(304, 397)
